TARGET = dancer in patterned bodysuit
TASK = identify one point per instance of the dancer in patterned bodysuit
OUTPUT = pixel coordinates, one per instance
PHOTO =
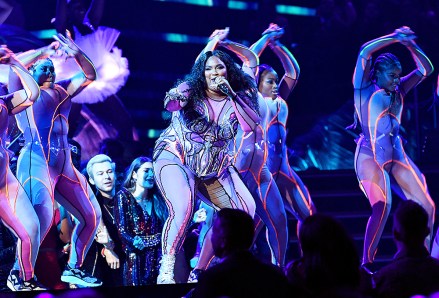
(380, 160)
(45, 164)
(193, 155)
(16, 211)
(296, 197)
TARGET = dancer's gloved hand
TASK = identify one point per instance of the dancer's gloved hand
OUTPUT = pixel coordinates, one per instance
(220, 34)
(67, 45)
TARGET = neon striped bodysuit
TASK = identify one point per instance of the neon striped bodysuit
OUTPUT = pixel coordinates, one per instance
(16, 211)
(381, 162)
(297, 199)
(45, 165)
(251, 161)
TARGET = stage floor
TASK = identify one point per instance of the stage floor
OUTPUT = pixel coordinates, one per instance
(156, 291)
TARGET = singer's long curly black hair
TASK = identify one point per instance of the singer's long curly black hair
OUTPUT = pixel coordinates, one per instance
(240, 82)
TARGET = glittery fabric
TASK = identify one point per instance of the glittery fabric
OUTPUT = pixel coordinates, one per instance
(141, 266)
(202, 144)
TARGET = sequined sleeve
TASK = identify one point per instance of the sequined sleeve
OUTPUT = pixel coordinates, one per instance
(121, 215)
(176, 99)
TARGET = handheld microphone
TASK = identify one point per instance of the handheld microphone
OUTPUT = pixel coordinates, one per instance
(223, 88)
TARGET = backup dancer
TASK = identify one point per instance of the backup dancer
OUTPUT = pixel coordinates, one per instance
(45, 163)
(16, 211)
(380, 160)
(296, 197)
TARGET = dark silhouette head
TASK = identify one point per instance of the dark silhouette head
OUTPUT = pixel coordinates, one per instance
(232, 231)
(330, 258)
(410, 223)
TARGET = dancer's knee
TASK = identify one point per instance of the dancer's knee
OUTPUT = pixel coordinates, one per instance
(34, 232)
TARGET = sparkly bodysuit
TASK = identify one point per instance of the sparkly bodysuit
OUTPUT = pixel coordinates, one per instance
(193, 156)
(203, 145)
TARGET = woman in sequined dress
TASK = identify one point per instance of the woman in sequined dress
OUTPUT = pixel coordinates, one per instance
(380, 160)
(139, 217)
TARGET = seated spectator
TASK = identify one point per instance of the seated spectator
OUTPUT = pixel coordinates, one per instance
(239, 274)
(140, 214)
(413, 270)
(330, 263)
(105, 255)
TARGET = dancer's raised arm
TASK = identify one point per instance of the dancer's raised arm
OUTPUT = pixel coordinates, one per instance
(87, 74)
(25, 91)
(29, 57)
(291, 67)
(363, 66)
(214, 39)
(248, 57)
(423, 69)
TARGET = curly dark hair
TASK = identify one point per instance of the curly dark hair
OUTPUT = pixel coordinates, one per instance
(241, 83)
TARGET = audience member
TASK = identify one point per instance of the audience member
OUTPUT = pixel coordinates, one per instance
(106, 253)
(114, 149)
(239, 274)
(140, 214)
(330, 263)
(413, 270)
